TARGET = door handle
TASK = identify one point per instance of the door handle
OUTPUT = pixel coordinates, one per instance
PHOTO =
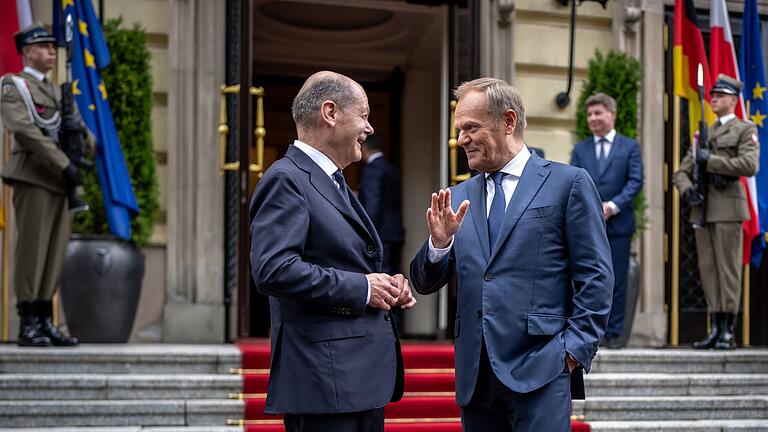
(453, 144)
(259, 131)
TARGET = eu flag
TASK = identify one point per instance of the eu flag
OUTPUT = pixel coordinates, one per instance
(752, 71)
(90, 55)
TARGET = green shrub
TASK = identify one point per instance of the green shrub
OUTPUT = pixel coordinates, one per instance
(617, 75)
(129, 86)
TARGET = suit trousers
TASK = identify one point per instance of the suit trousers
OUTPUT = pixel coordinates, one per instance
(365, 421)
(620, 256)
(43, 223)
(719, 248)
(496, 408)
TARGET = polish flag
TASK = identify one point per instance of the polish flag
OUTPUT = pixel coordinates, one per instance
(15, 14)
(722, 59)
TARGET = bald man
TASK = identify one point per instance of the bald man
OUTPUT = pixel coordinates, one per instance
(335, 353)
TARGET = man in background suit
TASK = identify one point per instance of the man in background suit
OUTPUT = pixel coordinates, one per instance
(532, 264)
(38, 171)
(380, 196)
(615, 165)
(335, 354)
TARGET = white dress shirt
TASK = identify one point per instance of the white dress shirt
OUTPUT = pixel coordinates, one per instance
(34, 72)
(509, 183)
(726, 118)
(326, 164)
(607, 146)
(374, 156)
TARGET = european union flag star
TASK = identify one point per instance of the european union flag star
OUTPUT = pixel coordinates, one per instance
(758, 118)
(103, 90)
(83, 26)
(89, 60)
(757, 92)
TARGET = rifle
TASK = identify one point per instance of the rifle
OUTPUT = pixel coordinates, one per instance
(72, 133)
(700, 176)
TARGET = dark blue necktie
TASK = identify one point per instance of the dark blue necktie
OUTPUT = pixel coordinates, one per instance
(601, 155)
(339, 177)
(498, 208)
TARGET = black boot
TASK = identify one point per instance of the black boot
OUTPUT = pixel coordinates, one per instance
(30, 334)
(727, 339)
(709, 341)
(45, 316)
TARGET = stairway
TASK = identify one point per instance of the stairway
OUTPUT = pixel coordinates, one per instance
(428, 404)
(119, 388)
(681, 390)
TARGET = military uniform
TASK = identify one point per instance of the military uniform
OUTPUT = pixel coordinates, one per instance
(733, 152)
(30, 111)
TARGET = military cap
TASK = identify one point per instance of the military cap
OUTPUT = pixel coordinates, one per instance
(726, 85)
(34, 33)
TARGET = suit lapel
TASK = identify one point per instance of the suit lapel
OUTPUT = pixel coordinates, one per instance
(590, 159)
(477, 210)
(534, 175)
(327, 188)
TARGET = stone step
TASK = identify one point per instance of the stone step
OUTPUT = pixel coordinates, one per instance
(655, 384)
(680, 426)
(680, 361)
(121, 359)
(634, 408)
(76, 413)
(117, 387)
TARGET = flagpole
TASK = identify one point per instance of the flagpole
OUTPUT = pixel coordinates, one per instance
(746, 315)
(6, 290)
(675, 312)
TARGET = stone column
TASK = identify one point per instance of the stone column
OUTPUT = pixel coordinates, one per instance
(638, 30)
(497, 39)
(194, 309)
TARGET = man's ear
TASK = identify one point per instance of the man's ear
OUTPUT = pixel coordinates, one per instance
(329, 112)
(510, 121)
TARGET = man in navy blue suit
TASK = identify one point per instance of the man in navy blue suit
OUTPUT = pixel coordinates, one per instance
(532, 264)
(335, 355)
(381, 198)
(615, 165)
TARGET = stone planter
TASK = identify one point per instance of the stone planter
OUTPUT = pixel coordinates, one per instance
(100, 287)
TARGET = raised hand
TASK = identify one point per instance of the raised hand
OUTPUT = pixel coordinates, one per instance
(443, 223)
(385, 290)
(406, 299)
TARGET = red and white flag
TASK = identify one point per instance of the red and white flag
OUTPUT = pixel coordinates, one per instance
(16, 14)
(722, 59)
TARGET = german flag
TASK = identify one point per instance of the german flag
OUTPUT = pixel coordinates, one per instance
(688, 52)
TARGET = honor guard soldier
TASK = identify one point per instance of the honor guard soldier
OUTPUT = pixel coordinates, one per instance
(731, 151)
(39, 173)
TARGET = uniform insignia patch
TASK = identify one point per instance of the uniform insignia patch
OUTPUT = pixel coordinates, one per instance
(7, 89)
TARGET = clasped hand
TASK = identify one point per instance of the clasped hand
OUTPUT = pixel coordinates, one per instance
(388, 292)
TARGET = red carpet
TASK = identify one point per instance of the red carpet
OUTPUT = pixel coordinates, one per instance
(428, 405)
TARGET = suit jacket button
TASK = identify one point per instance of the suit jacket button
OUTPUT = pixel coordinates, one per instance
(386, 316)
(479, 313)
(370, 250)
(488, 277)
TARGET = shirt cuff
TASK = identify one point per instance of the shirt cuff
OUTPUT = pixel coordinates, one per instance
(368, 299)
(434, 254)
(614, 208)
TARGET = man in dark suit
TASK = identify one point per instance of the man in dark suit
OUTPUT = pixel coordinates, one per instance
(379, 195)
(532, 264)
(335, 355)
(616, 166)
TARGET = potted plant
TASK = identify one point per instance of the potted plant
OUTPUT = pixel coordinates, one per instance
(102, 275)
(618, 75)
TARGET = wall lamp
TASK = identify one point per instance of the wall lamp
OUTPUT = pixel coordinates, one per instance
(564, 98)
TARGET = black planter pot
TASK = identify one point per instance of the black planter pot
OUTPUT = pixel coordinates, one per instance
(100, 287)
